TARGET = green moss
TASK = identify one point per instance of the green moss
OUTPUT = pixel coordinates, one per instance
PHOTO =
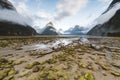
(65, 77)
(35, 79)
(4, 63)
(80, 64)
(35, 63)
(90, 67)
(36, 69)
(70, 50)
(3, 60)
(76, 76)
(30, 66)
(11, 72)
(25, 74)
(11, 77)
(89, 76)
(51, 76)
(115, 65)
(8, 66)
(116, 73)
(21, 40)
(51, 61)
(60, 74)
(18, 62)
(3, 74)
(4, 43)
(41, 54)
(82, 78)
(41, 67)
(105, 67)
(38, 54)
(43, 74)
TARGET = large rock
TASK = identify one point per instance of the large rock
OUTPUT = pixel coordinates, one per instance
(49, 30)
(11, 28)
(109, 28)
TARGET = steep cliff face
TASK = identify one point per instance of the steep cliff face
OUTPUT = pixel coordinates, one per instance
(9, 27)
(109, 28)
(49, 30)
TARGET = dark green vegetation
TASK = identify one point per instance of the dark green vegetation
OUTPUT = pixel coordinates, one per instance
(12, 29)
(6, 41)
(7, 70)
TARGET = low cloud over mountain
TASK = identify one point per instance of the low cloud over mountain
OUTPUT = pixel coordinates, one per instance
(108, 22)
(12, 23)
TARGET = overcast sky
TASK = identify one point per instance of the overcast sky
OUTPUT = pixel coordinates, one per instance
(63, 13)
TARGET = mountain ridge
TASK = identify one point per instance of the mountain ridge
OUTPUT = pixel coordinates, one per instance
(49, 30)
(77, 30)
(109, 28)
(11, 28)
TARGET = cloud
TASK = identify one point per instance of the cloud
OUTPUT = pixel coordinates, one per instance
(105, 0)
(12, 1)
(67, 8)
(23, 9)
(13, 16)
(44, 15)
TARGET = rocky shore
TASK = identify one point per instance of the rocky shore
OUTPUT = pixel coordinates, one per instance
(62, 59)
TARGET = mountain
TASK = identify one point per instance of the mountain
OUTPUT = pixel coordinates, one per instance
(112, 26)
(5, 4)
(77, 30)
(10, 23)
(49, 30)
(112, 5)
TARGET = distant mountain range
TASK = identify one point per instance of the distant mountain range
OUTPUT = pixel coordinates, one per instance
(10, 27)
(112, 26)
(49, 30)
(13, 24)
(77, 30)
